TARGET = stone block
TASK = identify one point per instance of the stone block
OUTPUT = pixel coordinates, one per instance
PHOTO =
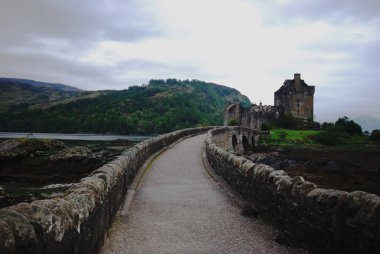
(283, 184)
(65, 217)
(261, 172)
(275, 176)
(17, 235)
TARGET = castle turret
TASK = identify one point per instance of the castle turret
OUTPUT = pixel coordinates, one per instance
(297, 81)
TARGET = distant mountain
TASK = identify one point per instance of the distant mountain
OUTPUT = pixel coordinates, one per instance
(368, 123)
(159, 107)
(55, 86)
(29, 92)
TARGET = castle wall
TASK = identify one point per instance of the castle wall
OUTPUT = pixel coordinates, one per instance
(299, 105)
(253, 117)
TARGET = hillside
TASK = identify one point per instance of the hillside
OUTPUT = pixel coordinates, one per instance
(159, 107)
(55, 86)
(21, 91)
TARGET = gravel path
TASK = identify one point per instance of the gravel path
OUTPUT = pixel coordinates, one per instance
(178, 209)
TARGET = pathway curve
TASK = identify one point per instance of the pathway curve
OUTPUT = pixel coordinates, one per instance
(178, 209)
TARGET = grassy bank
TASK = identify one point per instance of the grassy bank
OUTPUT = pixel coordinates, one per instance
(306, 139)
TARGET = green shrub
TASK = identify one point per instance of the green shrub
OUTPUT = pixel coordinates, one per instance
(349, 126)
(326, 125)
(332, 135)
(265, 127)
(375, 135)
(282, 135)
(288, 121)
(232, 122)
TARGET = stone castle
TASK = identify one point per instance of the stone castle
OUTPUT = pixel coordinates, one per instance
(294, 97)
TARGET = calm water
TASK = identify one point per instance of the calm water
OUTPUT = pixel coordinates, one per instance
(86, 137)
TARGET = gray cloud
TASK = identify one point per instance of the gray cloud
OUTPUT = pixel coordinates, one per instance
(52, 68)
(76, 20)
(354, 86)
(336, 11)
(66, 29)
(48, 68)
(43, 40)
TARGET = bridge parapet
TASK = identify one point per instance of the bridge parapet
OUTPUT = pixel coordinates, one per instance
(78, 221)
(325, 220)
(236, 139)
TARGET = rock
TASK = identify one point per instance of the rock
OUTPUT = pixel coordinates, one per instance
(9, 145)
(17, 235)
(79, 156)
(15, 149)
(79, 151)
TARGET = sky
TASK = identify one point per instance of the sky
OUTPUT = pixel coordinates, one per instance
(250, 45)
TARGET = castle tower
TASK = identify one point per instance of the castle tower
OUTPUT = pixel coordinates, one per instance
(295, 97)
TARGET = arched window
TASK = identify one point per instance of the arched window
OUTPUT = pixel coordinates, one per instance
(245, 143)
(298, 107)
(234, 142)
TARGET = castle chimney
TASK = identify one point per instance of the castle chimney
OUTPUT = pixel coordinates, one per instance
(297, 80)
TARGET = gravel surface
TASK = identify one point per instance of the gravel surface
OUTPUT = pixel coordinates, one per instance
(178, 209)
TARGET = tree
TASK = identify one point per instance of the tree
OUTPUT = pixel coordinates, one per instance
(331, 135)
(375, 135)
(349, 126)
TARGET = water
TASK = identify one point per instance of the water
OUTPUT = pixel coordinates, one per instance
(85, 137)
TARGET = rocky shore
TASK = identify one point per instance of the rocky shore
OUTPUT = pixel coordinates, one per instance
(335, 169)
(32, 169)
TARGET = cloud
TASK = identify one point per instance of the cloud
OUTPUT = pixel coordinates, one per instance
(250, 45)
(77, 20)
(337, 11)
(45, 40)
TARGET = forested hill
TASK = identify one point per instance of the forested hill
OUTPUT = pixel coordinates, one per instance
(159, 107)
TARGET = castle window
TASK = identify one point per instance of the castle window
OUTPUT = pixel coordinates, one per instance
(298, 107)
(234, 142)
(245, 143)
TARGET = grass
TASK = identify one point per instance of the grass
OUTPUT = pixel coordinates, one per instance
(286, 137)
(304, 139)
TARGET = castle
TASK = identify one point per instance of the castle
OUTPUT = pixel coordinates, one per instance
(294, 97)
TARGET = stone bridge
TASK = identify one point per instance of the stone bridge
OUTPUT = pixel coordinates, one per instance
(162, 196)
(237, 139)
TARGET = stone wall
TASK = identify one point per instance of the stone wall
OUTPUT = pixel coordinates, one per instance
(323, 220)
(78, 221)
(252, 117)
(244, 137)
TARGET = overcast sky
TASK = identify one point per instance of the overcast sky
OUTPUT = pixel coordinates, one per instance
(250, 45)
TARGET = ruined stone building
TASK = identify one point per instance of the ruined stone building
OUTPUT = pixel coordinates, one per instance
(294, 97)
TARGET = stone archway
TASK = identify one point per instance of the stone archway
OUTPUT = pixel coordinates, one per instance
(245, 143)
(234, 143)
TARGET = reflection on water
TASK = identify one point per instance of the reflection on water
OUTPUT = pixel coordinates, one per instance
(61, 136)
